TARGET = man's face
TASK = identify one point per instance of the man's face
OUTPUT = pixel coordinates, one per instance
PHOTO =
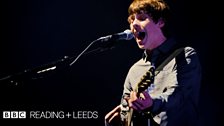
(147, 33)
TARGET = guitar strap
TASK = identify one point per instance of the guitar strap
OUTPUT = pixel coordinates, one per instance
(168, 59)
(158, 69)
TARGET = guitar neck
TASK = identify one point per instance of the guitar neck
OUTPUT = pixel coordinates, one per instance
(144, 83)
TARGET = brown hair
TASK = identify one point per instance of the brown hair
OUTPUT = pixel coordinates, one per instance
(156, 9)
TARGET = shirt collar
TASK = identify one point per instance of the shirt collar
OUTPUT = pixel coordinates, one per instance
(162, 49)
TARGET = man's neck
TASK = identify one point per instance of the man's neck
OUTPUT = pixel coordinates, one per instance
(160, 41)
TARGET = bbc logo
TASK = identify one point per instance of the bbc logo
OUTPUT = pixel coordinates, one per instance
(14, 114)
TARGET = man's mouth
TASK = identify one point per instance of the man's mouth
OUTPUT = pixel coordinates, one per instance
(140, 35)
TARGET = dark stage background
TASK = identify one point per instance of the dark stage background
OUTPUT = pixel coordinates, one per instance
(37, 32)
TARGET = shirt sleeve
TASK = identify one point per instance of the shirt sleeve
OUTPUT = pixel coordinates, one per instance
(127, 86)
(185, 90)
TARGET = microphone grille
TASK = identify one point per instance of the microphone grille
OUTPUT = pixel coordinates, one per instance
(129, 34)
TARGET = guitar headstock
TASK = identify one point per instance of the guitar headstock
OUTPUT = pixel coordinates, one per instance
(146, 80)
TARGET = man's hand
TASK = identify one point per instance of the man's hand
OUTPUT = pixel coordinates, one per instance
(140, 103)
(113, 117)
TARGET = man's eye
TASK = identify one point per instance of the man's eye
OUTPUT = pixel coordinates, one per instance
(141, 18)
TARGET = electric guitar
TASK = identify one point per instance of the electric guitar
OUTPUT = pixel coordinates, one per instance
(143, 84)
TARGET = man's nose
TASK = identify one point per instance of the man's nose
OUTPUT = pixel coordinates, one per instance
(136, 24)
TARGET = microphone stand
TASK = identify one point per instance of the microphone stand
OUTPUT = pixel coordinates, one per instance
(43, 70)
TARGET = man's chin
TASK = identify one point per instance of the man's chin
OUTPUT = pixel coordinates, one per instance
(141, 46)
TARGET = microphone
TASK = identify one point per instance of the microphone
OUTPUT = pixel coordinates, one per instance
(125, 35)
(106, 42)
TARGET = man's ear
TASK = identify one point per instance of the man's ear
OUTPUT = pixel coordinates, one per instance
(161, 22)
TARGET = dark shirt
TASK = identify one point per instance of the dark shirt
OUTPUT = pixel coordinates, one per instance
(176, 87)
